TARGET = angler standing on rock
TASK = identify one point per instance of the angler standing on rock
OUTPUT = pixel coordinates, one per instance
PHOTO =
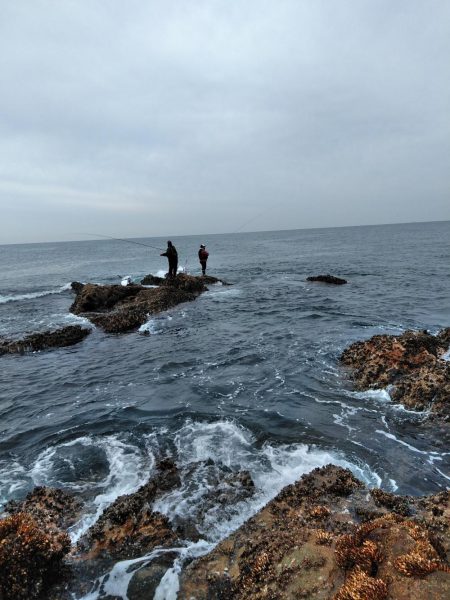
(172, 257)
(203, 257)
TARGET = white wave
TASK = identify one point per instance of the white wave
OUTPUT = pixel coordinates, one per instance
(155, 324)
(202, 448)
(221, 294)
(13, 477)
(222, 441)
(31, 295)
(149, 327)
(163, 272)
(381, 395)
(76, 319)
(441, 473)
(271, 468)
(446, 355)
(127, 469)
(432, 455)
(169, 585)
(393, 484)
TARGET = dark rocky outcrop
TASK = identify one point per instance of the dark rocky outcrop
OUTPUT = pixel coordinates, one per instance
(309, 542)
(117, 308)
(67, 336)
(129, 527)
(410, 363)
(327, 279)
(208, 279)
(152, 280)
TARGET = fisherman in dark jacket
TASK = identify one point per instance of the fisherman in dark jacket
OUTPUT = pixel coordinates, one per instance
(172, 257)
(203, 257)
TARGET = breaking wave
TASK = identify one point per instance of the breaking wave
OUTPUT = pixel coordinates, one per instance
(32, 295)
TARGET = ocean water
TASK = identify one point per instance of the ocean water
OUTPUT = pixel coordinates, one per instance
(246, 375)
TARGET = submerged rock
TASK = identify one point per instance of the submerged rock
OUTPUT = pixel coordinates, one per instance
(213, 280)
(117, 308)
(410, 363)
(309, 543)
(327, 279)
(67, 336)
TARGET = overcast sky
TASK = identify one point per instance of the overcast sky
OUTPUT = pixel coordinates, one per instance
(167, 117)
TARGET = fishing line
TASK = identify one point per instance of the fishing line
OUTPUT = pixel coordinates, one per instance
(108, 237)
(249, 221)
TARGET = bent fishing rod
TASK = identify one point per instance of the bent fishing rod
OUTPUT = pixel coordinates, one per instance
(108, 237)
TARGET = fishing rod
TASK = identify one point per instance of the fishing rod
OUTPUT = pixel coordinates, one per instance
(108, 237)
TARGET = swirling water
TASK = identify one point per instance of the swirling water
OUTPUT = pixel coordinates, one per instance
(247, 375)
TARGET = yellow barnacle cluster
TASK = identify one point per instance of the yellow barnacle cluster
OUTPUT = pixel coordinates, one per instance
(319, 512)
(359, 586)
(423, 559)
(324, 538)
(360, 557)
(349, 554)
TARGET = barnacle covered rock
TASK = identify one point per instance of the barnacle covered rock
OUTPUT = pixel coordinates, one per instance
(30, 557)
(412, 364)
(359, 586)
(117, 308)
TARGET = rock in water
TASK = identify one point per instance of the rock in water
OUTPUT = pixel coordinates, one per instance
(327, 279)
(67, 336)
(129, 528)
(411, 363)
(117, 308)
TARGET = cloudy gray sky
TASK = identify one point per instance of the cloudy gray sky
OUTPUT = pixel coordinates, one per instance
(167, 117)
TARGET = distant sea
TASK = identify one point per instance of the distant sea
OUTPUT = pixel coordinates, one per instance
(247, 375)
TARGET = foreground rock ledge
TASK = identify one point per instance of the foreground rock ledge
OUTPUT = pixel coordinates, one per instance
(412, 364)
(326, 537)
(117, 308)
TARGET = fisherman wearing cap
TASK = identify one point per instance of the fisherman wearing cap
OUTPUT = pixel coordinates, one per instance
(172, 257)
(203, 257)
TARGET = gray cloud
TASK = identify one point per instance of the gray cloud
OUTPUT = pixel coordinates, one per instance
(155, 118)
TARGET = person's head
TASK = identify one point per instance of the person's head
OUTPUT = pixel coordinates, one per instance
(169, 243)
(202, 246)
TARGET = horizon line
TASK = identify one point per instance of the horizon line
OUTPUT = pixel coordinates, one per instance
(98, 237)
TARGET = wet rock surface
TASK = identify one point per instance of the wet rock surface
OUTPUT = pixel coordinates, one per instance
(67, 336)
(117, 308)
(325, 537)
(310, 542)
(31, 556)
(411, 365)
(327, 279)
(129, 527)
(152, 280)
(48, 506)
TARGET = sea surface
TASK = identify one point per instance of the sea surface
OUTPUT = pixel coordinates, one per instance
(246, 375)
